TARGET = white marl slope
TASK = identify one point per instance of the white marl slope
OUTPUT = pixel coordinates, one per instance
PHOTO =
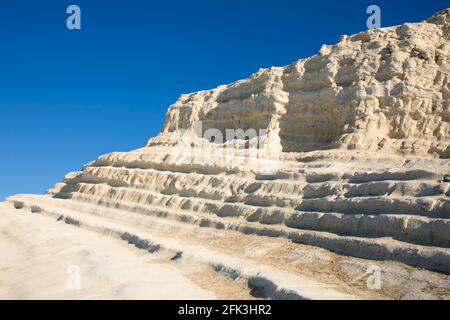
(360, 137)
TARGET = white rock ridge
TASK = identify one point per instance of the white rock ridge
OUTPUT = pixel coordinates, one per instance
(383, 89)
(351, 170)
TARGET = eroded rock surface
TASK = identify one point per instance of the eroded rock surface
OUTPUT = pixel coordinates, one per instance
(383, 89)
(353, 174)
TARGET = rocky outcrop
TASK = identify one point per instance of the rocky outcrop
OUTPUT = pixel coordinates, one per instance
(383, 89)
(337, 162)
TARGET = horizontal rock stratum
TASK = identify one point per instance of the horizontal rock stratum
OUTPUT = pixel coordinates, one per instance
(325, 179)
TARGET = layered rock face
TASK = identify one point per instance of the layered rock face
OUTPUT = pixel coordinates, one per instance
(343, 164)
(384, 89)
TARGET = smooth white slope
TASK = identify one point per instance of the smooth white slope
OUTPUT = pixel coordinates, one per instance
(37, 253)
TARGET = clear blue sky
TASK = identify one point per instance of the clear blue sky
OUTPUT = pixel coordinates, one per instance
(68, 96)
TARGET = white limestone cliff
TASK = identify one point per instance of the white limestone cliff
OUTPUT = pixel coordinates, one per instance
(354, 172)
(384, 89)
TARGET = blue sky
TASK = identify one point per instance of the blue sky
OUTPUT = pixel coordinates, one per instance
(68, 96)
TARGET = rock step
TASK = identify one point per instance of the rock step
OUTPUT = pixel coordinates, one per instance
(309, 174)
(436, 259)
(224, 187)
(267, 281)
(415, 229)
(433, 208)
(436, 206)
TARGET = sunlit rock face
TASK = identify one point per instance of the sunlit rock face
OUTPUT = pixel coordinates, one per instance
(314, 171)
(384, 89)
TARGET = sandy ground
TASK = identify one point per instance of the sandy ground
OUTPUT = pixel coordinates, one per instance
(46, 259)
